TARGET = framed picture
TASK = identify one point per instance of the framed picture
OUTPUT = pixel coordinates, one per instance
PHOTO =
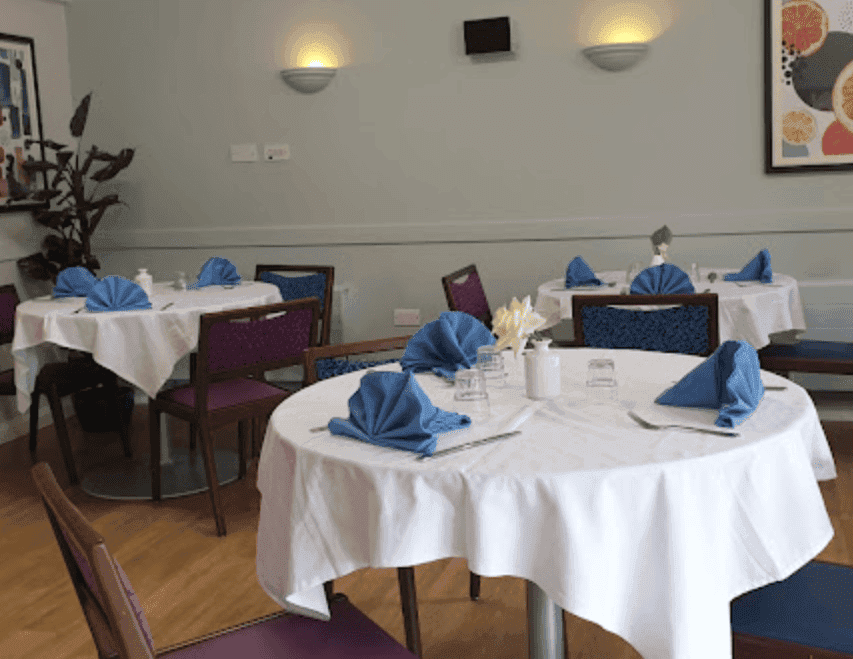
(20, 124)
(808, 85)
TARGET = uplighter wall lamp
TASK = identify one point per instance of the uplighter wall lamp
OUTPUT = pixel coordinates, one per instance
(616, 56)
(308, 79)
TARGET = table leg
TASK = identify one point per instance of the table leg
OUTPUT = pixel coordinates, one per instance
(544, 625)
(165, 443)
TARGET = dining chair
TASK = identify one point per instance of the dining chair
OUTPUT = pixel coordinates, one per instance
(318, 284)
(55, 381)
(323, 362)
(687, 324)
(464, 292)
(807, 615)
(119, 627)
(831, 357)
(233, 346)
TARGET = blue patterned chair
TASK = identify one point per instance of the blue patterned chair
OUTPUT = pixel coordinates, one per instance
(807, 615)
(685, 324)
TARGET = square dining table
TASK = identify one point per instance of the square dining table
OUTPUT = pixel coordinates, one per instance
(748, 310)
(142, 347)
(647, 533)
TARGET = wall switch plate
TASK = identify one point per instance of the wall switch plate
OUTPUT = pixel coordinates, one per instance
(407, 317)
(276, 152)
(244, 152)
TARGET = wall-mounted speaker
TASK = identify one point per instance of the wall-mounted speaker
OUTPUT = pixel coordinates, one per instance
(488, 35)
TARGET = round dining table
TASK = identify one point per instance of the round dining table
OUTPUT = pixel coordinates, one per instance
(648, 533)
(748, 310)
(141, 346)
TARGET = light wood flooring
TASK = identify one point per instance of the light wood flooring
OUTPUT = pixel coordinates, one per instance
(191, 582)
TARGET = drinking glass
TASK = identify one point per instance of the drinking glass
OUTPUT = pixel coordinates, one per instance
(633, 270)
(601, 379)
(491, 363)
(471, 397)
(180, 281)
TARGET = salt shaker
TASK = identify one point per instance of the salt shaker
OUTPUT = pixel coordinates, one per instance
(542, 371)
(145, 281)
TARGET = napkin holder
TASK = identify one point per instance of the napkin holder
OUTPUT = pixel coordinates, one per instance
(542, 371)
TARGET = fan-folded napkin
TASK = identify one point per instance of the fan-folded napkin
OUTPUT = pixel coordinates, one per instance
(74, 282)
(116, 294)
(758, 269)
(217, 271)
(578, 273)
(391, 409)
(729, 380)
(666, 279)
(446, 345)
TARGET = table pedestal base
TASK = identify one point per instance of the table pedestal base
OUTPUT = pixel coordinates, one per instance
(544, 625)
(184, 475)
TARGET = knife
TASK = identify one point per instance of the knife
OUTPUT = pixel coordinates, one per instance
(478, 442)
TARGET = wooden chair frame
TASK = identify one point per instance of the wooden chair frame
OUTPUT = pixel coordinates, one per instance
(708, 300)
(485, 318)
(206, 421)
(329, 271)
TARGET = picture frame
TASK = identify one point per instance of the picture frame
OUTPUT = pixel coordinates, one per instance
(808, 61)
(20, 125)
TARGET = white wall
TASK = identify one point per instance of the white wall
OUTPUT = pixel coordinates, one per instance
(44, 21)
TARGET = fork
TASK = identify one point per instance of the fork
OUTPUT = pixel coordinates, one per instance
(651, 426)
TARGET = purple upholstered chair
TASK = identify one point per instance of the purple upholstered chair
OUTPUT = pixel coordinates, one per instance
(55, 381)
(232, 346)
(119, 627)
(464, 292)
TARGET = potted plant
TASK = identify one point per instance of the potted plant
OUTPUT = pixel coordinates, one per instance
(73, 208)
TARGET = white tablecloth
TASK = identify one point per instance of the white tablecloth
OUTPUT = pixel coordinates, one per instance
(649, 534)
(140, 346)
(749, 313)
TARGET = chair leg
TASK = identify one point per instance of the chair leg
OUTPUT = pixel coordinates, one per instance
(409, 602)
(62, 432)
(193, 436)
(474, 587)
(122, 427)
(154, 436)
(34, 424)
(329, 587)
(244, 429)
(212, 478)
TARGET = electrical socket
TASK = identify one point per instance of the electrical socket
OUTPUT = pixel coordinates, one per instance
(407, 317)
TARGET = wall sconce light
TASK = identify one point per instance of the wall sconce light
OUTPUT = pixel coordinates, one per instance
(616, 56)
(308, 79)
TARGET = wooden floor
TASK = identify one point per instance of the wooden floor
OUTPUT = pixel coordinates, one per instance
(191, 582)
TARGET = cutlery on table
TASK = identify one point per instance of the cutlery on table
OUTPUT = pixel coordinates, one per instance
(166, 306)
(744, 284)
(80, 309)
(653, 426)
(478, 442)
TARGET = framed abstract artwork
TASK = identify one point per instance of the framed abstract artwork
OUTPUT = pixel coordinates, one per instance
(20, 125)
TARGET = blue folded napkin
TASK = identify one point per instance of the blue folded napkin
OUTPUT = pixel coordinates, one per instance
(664, 279)
(74, 282)
(446, 345)
(217, 271)
(296, 288)
(729, 380)
(578, 273)
(756, 270)
(116, 294)
(391, 409)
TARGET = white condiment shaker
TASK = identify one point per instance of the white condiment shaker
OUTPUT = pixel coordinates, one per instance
(542, 371)
(145, 281)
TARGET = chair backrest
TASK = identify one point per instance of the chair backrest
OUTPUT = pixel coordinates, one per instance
(688, 325)
(8, 301)
(115, 618)
(315, 281)
(464, 292)
(249, 341)
(318, 362)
